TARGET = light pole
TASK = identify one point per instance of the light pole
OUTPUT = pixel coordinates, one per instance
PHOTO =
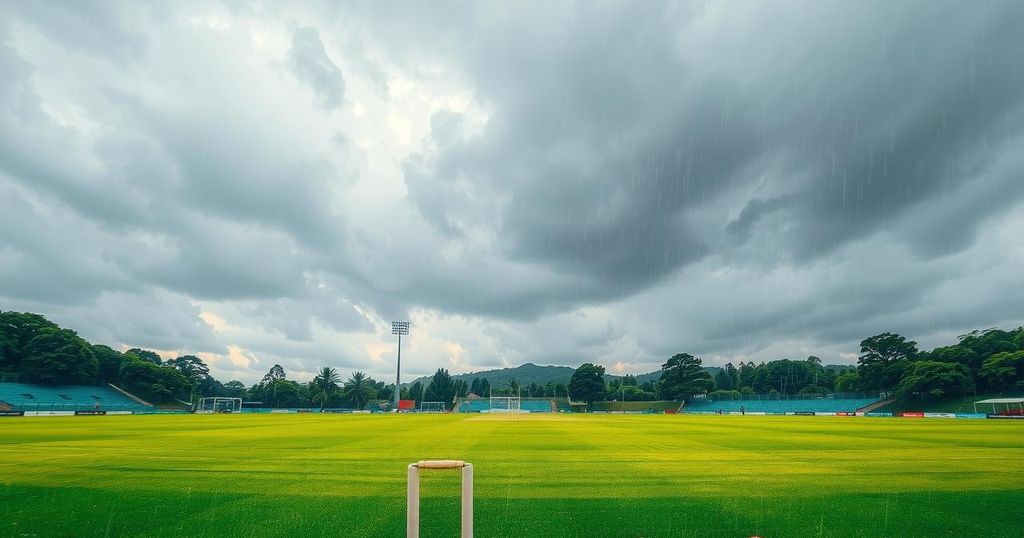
(399, 328)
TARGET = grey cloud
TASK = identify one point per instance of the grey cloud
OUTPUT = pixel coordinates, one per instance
(310, 63)
(712, 180)
(104, 28)
(742, 226)
(605, 136)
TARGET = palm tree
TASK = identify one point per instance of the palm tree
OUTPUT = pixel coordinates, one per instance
(324, 385)
(358, 390)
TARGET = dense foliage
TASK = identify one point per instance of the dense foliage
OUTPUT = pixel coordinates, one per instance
(986, 361)
(42, 352)
(587, 383)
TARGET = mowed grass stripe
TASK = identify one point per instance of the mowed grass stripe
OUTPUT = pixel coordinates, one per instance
(551, 475)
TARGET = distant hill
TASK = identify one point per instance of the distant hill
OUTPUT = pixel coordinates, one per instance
(541, 375)
(532, 373)
(524, 375)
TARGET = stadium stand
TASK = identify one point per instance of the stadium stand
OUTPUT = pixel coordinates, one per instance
(476, 405)
(526, 405)
(634, 407)
(30, 397)
(535, 406)
(820, 405)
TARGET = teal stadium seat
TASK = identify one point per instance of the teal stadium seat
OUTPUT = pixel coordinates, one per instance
(823, 405)
(31, 397)
(526, 405)
(475, 406)
(535, 406)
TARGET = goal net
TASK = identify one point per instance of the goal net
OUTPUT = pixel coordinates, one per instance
(219, 405)
(505, 404)
(432, 407)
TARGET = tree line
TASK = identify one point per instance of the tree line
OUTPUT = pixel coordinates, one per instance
(982, 361)
(40, 351)
(987, 361)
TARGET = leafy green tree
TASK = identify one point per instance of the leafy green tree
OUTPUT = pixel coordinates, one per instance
(723, 382)
(746, 374)
(682, 377)
(883, 359)
(146, 355)
(209, 386)
(288, 393)
(734, 376)
(234, 389)
(786, 376)
(1004, 371)
(58, 356)
(633, 393)
(108, 362)
(16, 329)
(416, 392)
(587, 383)
(931, 379)
(848, 382)
(190, 366)
(275, 373)
(461, 388)
(268, 387)
(152, 382)
(441, 388)
(324, 386)
(358, 390)
(7, 349)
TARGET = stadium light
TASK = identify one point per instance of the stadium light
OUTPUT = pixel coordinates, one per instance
(400, 328)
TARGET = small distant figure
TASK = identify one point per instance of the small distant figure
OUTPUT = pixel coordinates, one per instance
(743, 410)
(719, 412)
(96, 408)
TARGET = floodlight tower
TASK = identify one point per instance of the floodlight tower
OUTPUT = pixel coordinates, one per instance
(400, 328)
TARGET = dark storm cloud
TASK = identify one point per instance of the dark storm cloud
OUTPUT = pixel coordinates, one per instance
(614, 180)
(611, 127)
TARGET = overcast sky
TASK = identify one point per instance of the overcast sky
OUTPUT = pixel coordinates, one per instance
(525, 181)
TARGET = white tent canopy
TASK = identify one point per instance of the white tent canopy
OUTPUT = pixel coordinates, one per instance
(1016, 402)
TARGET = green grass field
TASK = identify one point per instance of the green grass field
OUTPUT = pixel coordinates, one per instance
(540, 475)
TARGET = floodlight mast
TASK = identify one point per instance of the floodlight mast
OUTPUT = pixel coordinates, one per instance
(399, 328)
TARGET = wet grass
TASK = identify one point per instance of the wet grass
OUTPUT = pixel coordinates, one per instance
(541, 475)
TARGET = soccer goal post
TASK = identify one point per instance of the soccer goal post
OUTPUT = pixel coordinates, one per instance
(504, 404)
(432, 407)
(219, 404)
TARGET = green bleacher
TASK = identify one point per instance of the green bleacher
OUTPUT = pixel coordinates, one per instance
(31, 397)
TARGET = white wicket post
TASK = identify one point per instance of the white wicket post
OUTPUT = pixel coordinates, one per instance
(412, 514)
